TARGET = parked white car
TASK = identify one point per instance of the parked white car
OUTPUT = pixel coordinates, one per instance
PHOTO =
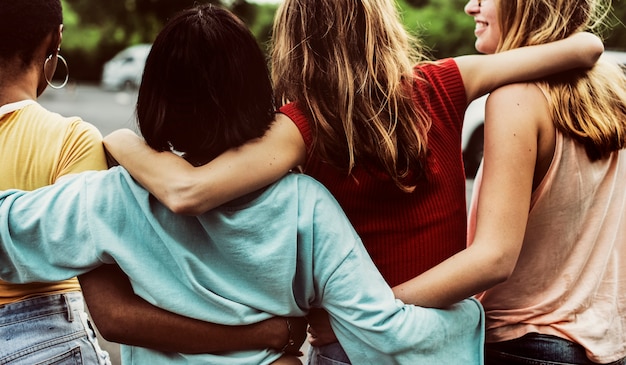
(473, 125)
(124, 71)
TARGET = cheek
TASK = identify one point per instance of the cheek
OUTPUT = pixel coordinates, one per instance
(492, 35)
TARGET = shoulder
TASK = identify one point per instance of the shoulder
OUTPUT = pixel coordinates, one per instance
(308, 191)
(524, 97)
(442, 72)
(292, 113)
(52, 122)
(302, 182)
(517, 111)
(113, 188)
(438, 86)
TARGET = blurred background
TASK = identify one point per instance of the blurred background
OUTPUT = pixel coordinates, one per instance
(95, 31)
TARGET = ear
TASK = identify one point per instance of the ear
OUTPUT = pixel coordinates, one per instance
(54, 42)
(60, 37)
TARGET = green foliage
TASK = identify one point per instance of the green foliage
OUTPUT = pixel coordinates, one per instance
(447, 31)
(442, 26)
(96, 30)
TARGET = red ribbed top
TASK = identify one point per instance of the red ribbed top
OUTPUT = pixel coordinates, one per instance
(408, 233)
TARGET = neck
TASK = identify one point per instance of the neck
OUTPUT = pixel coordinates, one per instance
(20, 85)
(8, 98)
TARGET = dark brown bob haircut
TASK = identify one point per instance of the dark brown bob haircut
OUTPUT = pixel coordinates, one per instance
(206, 87)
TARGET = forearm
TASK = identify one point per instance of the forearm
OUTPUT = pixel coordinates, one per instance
(40, 236)
(463, 275)
(123, 317)
(581, 50)
(194, 190)
(485, 73)
(164, 174)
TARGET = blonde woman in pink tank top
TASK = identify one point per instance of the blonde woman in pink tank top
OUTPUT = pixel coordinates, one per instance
(547, 226)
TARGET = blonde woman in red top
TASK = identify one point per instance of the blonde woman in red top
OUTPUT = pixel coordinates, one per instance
(547, 217)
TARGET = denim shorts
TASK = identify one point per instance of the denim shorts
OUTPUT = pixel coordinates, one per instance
(46, 330)
(332, 354)
(538, 349)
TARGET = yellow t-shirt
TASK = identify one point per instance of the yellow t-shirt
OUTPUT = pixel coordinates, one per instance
(37, 147)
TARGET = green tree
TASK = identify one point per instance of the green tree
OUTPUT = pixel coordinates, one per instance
(447, 31)
(441, 24)
(96, 30)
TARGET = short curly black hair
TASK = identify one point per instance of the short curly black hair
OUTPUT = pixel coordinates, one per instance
(24, 24)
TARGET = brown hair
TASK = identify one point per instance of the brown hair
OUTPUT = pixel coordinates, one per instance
(205, 87)
(349, 66)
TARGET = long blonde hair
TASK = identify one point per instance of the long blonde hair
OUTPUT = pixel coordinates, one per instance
(588, 106)
(349, 65)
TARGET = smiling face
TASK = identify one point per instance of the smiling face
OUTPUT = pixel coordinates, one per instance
(487, 29)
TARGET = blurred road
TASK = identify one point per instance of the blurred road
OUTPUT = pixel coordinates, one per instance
(108, 111)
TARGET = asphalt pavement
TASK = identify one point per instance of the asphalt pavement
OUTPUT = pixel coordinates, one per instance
(107, 110)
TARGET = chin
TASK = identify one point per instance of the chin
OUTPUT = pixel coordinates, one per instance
(483, 48)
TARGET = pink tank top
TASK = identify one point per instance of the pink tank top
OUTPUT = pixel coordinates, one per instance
(570, 279)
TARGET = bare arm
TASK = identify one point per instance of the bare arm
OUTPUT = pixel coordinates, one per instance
(123, 317)
(484, 73)
(194, 190)
(508, 170)
(497, 243)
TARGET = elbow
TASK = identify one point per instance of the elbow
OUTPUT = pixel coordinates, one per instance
(596, 56)
(107, 322)
(179, 207)
(119, 327)
(595, 51)
(496, 262)
(182, 198)
(110, 333)
(182, 205)
(500, 276)
(502, 268)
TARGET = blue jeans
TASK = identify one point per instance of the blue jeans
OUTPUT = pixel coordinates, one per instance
(52, 329)
(331, 354)
(538, 349)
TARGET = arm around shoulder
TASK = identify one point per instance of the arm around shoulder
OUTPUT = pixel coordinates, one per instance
(484, 73)
(511, 130)
(194, 190)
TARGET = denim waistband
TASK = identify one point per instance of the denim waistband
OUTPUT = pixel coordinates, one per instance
(541, 346)
(42, 306)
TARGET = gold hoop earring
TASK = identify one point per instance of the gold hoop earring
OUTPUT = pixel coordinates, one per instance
(67, 72)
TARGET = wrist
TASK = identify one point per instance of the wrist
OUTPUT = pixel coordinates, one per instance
(290, 342)
(271, 333)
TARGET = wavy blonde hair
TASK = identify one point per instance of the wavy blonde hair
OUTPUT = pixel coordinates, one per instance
(587, 105)
(349, 65)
